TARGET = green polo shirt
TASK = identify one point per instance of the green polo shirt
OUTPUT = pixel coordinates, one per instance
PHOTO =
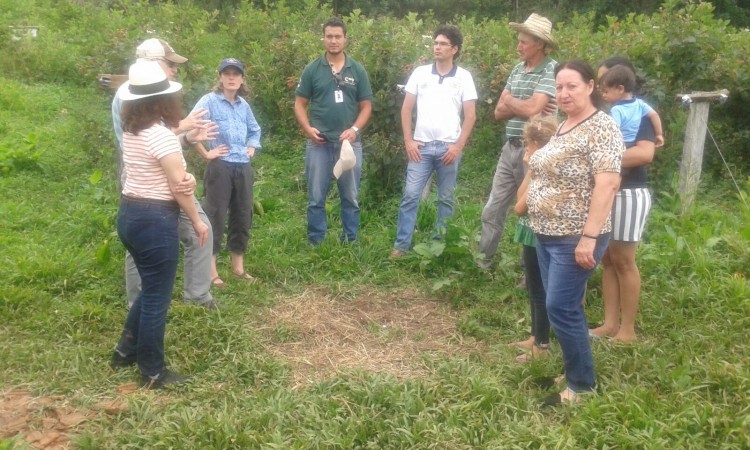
(523, 85)
(319, 86)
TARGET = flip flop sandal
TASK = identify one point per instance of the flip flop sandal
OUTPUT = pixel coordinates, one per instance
(246, 277)
(217, 282)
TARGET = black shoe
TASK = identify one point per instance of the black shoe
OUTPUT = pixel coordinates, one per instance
(121, 362)
(166, 378)
(211, 305)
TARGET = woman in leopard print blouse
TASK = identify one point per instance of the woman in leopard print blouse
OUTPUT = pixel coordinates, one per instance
(575, 178)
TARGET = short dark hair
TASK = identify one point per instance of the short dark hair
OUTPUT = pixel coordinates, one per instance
(453, 34)
(587, 74)
(619, 75)
(142, 113)
(624, 61)
(335, 22)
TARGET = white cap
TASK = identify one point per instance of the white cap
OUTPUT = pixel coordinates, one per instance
(347, 159)
(156, 49)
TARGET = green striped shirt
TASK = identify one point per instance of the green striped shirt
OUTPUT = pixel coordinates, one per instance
(523, 85)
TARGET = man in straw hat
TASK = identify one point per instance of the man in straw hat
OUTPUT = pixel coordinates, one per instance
(197, 264)
(441, 91)
(530, 90)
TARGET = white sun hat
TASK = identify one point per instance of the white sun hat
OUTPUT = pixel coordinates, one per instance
(147, 79)
(347, 159)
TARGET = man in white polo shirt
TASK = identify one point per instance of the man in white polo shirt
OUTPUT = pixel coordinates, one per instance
(440, 91)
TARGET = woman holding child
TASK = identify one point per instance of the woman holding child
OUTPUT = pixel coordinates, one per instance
(575, 178)
(621, 280)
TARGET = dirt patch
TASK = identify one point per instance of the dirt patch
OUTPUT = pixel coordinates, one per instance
(47, 422)
(321, 334)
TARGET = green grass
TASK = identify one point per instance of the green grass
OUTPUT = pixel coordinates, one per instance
(685, 385)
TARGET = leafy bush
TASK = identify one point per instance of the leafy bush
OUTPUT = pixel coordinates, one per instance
(20, 156)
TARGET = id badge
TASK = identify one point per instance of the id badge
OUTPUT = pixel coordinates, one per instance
(338, 95)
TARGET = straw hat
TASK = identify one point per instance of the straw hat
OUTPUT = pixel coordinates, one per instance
(347, 159)
(146, 79)
(536, 26)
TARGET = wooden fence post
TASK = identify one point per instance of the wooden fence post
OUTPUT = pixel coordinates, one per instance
(695, 138)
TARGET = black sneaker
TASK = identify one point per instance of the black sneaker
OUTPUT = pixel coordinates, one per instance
(211, 305)
(121, 362)
(166, 378)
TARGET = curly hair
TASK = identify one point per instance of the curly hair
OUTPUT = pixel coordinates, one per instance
(140, 114)
(453, 34)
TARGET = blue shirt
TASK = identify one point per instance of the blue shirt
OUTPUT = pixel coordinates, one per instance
(238, 128)
(628, 115)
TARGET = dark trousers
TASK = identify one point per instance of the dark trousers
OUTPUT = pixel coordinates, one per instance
(229, 192)
(537, 296)
(149, 232)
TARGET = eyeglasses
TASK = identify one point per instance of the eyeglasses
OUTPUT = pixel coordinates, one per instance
(442, 44)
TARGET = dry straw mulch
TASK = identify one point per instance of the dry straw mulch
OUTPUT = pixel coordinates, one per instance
(322, 334)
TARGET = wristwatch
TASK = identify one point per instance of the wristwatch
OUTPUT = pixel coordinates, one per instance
(356, 130)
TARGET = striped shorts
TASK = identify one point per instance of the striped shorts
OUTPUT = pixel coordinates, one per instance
(629, 213)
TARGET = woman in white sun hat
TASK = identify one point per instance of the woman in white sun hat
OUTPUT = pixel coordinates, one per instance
(149, 211)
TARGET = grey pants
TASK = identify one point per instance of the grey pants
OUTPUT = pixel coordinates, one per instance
(197, 262)
(508, 178)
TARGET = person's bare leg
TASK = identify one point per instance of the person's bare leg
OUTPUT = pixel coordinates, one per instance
(215, 278)
(238, 263)
(629, 279)
(611, 295)
(527, 344)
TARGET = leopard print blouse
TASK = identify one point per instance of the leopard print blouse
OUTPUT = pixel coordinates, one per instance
(563, 172)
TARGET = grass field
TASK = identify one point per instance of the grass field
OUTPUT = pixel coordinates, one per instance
(340, 347)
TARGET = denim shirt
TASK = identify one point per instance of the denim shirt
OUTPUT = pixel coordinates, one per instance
(237, 125)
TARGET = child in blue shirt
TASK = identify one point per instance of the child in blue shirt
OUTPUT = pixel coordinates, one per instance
(616, 87)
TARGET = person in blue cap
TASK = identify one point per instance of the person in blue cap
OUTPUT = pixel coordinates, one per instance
(228, 180)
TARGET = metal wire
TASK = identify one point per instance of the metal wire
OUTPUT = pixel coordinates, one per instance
(731, 175)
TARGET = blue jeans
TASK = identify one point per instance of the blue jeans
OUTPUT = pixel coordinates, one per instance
(319, 162)
(565, 283)
(148, 229)
(417, 175)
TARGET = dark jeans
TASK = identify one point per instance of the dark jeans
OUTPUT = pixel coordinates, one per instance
(229, 192)
(537, 296)
(148, 229)
(565, 283)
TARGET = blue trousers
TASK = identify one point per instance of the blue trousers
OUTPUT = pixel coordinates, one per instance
(148, 229)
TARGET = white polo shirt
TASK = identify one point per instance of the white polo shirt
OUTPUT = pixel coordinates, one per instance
(440, 102)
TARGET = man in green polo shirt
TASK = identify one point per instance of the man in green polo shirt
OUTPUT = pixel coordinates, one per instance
(530, 90)
(337, 90)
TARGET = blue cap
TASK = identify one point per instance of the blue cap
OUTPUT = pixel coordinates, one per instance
(231, 62)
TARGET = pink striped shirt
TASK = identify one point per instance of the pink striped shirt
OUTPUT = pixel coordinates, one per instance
(144, 175)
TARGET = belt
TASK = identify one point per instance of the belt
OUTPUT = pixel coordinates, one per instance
(515, 141)
(149, 201)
